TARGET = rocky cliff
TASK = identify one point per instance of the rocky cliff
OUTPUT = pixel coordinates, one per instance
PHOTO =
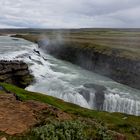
(110, 64)
(15, 72)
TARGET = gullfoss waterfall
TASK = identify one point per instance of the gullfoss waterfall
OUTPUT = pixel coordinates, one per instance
(69, 82)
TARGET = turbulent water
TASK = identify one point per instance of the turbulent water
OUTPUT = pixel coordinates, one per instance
(70, 82)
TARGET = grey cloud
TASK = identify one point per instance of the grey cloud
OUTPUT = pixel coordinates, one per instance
(69, 13)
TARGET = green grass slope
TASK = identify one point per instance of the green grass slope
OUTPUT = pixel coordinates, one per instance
(125, 124)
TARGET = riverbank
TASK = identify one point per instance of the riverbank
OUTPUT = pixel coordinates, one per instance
(46, 110)
(113, 53)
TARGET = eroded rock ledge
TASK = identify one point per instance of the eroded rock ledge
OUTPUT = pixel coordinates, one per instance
(15, 72)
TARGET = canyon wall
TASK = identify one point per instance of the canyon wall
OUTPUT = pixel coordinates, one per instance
(110, 64)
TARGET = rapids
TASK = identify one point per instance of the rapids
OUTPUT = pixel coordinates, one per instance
(69, 82)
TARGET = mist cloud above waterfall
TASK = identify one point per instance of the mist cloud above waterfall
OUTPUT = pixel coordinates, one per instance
(69, 13)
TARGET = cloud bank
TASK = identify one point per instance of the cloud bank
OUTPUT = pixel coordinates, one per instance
(69, 13)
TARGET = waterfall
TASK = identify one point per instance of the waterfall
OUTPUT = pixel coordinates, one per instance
(116, 103)
(69, 82)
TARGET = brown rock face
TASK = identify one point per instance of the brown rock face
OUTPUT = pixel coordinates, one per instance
(17, 117)
(15, 72)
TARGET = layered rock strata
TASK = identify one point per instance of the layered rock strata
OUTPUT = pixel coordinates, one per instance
(15, 72)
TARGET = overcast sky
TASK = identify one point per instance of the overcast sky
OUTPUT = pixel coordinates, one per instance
(69, 13)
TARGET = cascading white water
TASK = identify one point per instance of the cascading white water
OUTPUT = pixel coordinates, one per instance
(66, 81)
(116, 103)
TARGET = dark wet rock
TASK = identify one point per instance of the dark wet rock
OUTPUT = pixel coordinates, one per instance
(15, 72)
(45, 58)
(21, 73)
(99, 98)
(37, 52)
(30, 57)
(85, 93)
(99, 94)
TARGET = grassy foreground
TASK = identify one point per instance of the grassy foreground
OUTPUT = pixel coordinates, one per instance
(127, 125)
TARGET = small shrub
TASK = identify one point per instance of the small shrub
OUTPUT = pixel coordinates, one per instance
(102, 133)
(68, 130)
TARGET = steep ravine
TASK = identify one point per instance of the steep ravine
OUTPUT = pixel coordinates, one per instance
(72, 83)
(110, 64)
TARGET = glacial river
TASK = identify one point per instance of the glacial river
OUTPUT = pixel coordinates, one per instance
(69, 82)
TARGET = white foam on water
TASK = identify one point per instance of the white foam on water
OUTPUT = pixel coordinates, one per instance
(116, 103)
(62, 79)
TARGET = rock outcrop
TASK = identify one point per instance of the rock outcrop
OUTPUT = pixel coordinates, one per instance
(17, 117)
(15, 72)
(99, 94)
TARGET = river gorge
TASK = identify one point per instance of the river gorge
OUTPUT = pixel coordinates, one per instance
(70, 82)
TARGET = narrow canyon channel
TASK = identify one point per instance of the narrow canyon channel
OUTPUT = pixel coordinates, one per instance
(69, 82)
